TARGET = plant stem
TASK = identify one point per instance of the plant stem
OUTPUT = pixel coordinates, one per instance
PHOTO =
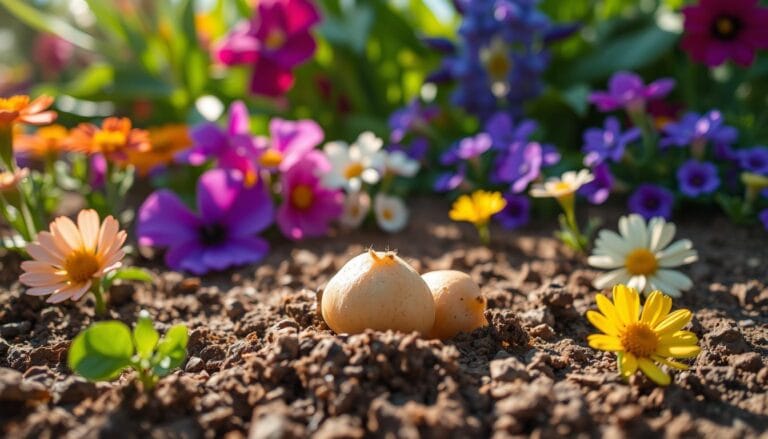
(98, 294)
(485, 233)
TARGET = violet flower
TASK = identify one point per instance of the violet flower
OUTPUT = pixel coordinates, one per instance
(697, 131)
(471, 147)
(308, 208)
(288, 142)
(231, 148)
(627, 90)
(763, 216)
(754, 159)
(608, 143)
(410, 118)
(520, 164)
(450, 180)
(598, 190)
(274, 41)
(504, 131)
(221, 235)
(650, 201)
(516, 213)
(697, 178)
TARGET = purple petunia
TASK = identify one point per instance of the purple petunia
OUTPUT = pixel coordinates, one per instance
(608, 143)
(221, 235)
(650, 200)
(516, 213)
(627, 90)
(754, 159)
(231, 148)
(598, 190)
(504, 131)
(697, 130)
(695, 178)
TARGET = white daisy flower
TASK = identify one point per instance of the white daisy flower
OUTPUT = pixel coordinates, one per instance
(398, 163)
(564, 186)
(356, 208)
(351, 165)
(641, 256)
(391, 213)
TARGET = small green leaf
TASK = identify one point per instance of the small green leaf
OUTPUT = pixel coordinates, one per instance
(102, 351)
(133, 273)
(145, 336)
(171, 351)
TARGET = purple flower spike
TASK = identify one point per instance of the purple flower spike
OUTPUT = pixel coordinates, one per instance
(650, 200)
(627, 90)
(607, 144)
(231, 148)
(516, 213)
(598, 190)
(221, 235)
(754, 159)
(697, 178)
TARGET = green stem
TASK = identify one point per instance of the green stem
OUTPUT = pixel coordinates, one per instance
(485, 233)
(6, 147)
(648, 133)
(98, 294)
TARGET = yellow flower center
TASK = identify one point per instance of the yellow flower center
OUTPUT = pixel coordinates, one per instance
(639, 339)
(52, 135)
(561, 186)
(641, 261)
(726, 27)
(387, 214)
(353, 170)
(109, 141)
(275, 39)
(80, 266)
(14, 103)
(271, 158)
(302, 197)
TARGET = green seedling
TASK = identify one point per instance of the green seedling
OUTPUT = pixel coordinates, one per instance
(105, 349)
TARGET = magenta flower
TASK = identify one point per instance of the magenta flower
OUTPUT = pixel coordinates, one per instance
(627, 90)
(222, 235)
(233, 148)
(308, 207)
(289, 142)
(716, 30)
(274, 40)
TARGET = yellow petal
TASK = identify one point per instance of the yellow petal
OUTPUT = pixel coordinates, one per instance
(653, 372)
(678, 351)
(652, 307)
(602, 323)
(670, 363)
(609, 310)
(627, 303)
(674, 322)
(605, 342)
(679, 338)
(627, 363)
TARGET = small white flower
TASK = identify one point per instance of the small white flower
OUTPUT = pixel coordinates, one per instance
(391, 213)
(641, 256)
(351, 165)
(398, 163)
(356, 208)
(564, 186)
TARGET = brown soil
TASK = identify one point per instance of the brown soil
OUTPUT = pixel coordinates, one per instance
(262, 363)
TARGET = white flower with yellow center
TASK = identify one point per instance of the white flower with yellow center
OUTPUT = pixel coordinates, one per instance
(351, 165)
(356, 208)
(391, 213)
(642, 257)
(562, 187)
(398, 163)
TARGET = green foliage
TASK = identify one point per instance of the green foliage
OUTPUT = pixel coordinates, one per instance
(105, 349)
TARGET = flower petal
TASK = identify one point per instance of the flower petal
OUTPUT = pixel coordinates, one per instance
(617, 276)
(609, 311)
(627, 303)
(605, 342)
(653, 372)
(88, 224)
(627, 364)
(602, 323)
(164, 220)
(674, 322)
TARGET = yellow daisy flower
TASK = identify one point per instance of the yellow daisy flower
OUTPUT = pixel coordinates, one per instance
(644, 339)
(478, 210)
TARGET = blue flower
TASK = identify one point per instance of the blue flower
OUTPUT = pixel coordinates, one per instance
(697, 178)
(650, 200)
(697, 131)
(754, 159)
(607, 144)
(516, 213)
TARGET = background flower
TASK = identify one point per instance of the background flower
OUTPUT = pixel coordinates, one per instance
(363, 161)
(628, 91)
(650, 201)
(223, 232)
(608, 143)
(391, 213)
(289, 141)
(696, 178)
(516, 213)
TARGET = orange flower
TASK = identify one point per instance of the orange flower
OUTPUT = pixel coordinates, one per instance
(115, 139)
(165, 142)
(19, 109)
(46, 142)
(70, 258)
(10, 179)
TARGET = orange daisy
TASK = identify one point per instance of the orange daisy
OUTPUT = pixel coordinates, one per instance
(70, 259)
(46, 142)
(165, 142)
(19, 109)
(115, 139)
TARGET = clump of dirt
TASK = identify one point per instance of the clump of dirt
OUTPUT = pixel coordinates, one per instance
(262, 363)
